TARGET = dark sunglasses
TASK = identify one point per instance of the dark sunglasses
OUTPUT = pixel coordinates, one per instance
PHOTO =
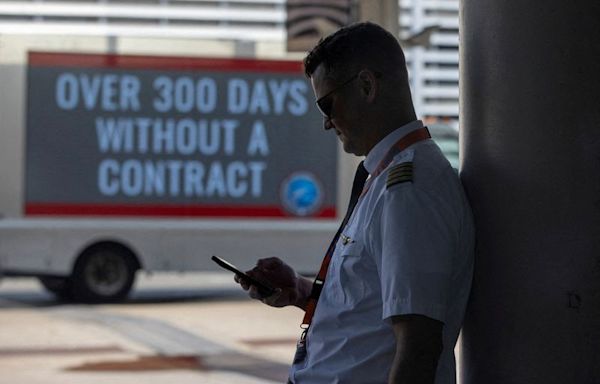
(325, 103)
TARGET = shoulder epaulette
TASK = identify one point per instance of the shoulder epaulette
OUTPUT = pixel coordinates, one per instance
(400, 173)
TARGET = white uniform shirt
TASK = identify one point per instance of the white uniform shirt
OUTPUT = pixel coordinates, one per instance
(407, 249)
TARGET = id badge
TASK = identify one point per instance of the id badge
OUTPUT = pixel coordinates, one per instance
(300, 351)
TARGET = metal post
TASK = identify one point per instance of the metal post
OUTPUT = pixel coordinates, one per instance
(530, 118)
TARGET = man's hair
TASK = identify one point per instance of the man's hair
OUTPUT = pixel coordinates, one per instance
(357, 46)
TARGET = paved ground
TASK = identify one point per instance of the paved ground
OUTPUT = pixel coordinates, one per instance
(174, 329)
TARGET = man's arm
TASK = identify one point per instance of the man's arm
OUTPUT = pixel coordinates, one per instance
(418, 349)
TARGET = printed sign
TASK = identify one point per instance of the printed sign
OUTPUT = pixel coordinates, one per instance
(165, 136)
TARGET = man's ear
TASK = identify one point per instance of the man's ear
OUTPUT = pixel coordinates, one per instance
(369, 85)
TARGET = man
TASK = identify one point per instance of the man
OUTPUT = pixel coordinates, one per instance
(397, 277)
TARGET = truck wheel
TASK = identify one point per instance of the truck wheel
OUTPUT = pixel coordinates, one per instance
(103, 274)
(58, 286)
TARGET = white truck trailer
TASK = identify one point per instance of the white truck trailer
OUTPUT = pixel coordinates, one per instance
(152, 159)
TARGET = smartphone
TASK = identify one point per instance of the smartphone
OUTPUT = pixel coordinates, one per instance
(263, 288)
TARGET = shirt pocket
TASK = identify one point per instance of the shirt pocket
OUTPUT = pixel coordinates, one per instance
(350, 246)
(354, 272)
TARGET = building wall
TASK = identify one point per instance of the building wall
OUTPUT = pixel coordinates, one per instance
(241, 28)
(433, 68)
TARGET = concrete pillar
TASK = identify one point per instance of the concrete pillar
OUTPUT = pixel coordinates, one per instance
(530, 131)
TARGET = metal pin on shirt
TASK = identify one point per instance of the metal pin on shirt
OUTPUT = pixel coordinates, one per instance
(345, 239)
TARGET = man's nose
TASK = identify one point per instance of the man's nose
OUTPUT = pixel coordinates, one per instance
(327, 124)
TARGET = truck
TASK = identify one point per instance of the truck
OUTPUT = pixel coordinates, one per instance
(114, 163)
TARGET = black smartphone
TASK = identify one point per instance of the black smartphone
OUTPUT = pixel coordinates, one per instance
(263, 288)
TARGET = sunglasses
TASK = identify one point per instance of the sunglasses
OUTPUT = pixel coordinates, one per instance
(325, 103)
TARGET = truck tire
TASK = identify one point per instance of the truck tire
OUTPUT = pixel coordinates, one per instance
(103, 274)
(58, 286)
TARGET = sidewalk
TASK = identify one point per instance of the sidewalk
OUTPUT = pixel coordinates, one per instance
(209, 334)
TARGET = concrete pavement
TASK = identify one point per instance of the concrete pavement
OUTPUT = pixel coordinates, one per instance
(184, 329)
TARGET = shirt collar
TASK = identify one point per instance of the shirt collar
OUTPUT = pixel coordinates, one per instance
(380, 149)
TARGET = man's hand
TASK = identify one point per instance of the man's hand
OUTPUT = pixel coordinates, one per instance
(418, 349)
(290, 289)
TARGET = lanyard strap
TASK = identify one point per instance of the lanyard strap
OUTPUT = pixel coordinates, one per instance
(405, 142)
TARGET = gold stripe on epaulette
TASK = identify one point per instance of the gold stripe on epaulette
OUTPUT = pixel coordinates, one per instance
(400, 173)
(401, 167)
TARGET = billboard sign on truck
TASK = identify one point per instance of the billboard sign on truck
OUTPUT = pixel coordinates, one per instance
(119, 135)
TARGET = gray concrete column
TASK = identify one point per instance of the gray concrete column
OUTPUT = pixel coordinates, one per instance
(530, 136)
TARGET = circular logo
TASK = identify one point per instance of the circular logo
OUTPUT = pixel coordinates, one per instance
(301, 193)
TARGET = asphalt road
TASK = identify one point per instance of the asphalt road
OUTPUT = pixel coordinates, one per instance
(199, 329)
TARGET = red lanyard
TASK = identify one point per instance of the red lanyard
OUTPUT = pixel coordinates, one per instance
(405, 142)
